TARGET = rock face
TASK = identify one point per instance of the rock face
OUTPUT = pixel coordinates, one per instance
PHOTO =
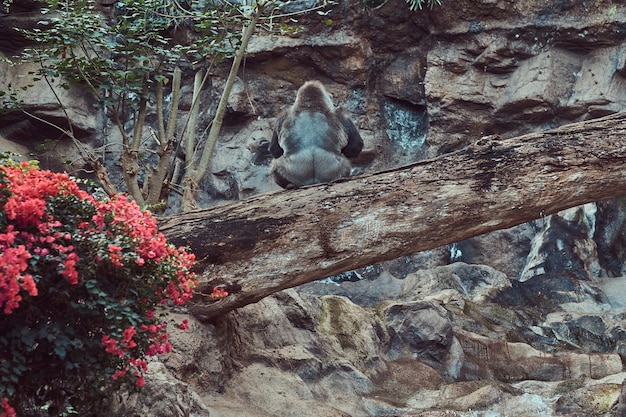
(299, 354)
(521, 322)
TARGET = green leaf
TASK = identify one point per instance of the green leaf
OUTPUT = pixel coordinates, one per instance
(60, 351)
(28, 338)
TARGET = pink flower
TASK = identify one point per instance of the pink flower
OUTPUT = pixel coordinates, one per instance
(129, 333)
(28, 283)
(119, 373)
(139, 363)
(184, 325)
(219, 293)
(69, 269)
(114, 249)
(110, 346)
(8, 410)
(41, 251)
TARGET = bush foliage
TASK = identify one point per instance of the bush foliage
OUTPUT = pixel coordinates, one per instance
(81, 280)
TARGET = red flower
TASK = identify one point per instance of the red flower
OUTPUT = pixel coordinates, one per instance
(219, 293)
(114, 249)
(119, 373)
(129, 333)
(8, 410)
(110, 346)
(139, 364)
(12, 265)
(28, 283)
(69, 269)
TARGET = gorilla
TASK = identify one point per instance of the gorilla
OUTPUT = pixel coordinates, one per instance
(312, 140)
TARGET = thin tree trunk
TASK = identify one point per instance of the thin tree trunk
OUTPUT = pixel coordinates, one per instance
(278, 240)
(156, 180)
(190, 182)
(188, 202)
(130, 151)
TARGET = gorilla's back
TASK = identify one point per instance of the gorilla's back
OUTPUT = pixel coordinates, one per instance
(311, 129)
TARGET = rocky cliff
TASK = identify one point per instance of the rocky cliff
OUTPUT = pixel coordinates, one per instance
(521, 322)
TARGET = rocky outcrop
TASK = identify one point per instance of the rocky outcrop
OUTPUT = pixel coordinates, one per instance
(35, 130)
(24, 15)
(299, 354)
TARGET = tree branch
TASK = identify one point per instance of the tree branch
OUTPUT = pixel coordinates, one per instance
(273, 241)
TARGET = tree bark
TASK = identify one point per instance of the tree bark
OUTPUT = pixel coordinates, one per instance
(273, 241)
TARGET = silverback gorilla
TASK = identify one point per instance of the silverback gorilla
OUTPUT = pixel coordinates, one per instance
(312, 140)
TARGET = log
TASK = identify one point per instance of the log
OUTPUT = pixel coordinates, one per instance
(269, 242)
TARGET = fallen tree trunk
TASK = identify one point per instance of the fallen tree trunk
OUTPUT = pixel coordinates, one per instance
(273, 241)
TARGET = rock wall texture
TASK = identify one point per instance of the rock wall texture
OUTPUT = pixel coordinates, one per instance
(521, 322)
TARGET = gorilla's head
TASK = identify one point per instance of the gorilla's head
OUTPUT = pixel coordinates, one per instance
(312, 95)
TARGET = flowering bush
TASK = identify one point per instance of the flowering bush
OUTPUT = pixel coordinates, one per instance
(80, 281)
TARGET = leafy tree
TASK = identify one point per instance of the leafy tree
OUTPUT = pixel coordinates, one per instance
(81, 282)
(126, 61)
(130, 59)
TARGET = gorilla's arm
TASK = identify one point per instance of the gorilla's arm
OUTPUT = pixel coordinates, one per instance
(275, 148)
(355, 143)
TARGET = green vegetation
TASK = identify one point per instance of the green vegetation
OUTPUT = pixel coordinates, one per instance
(127, 61)
(414, 5)
(417, 4)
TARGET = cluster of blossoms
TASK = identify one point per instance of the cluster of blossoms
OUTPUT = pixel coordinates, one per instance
(8, 411)
(28, 229)
(218, 293)
(101, 267)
